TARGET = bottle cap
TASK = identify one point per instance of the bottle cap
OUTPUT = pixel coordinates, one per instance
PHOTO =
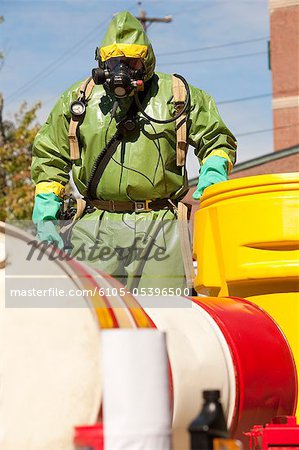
(211, 395)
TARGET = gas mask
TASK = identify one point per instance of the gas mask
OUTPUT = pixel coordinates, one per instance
(120, 75)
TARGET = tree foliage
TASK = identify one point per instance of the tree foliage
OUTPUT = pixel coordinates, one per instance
(16, 187)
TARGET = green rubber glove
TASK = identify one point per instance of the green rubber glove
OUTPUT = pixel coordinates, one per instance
(213, 171)
(45, 212)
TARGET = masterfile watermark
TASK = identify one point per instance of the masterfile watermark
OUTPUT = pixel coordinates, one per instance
(142, 260)
(97, 290)
(96, 252)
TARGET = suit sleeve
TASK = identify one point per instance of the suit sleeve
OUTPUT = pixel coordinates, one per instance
(51, 154)
(208, 133)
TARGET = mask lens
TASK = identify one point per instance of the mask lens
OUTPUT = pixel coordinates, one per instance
(135, 63)
(132, 63)
(112, 63)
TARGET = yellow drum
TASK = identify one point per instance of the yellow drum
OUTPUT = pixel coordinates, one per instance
(246, 242)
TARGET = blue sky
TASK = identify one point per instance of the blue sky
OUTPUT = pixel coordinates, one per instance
(50, 44)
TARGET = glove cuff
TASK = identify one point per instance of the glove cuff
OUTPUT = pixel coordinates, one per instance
(46, 207)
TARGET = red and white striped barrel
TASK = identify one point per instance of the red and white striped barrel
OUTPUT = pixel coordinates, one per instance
(52, 354)
(232, 345)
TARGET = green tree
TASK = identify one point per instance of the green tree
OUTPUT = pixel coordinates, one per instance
(16, 138)
(16, 187)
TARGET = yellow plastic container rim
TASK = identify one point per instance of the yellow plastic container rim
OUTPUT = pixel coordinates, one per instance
(257, 184)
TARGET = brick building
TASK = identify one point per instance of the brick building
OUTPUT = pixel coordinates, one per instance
(284, 62)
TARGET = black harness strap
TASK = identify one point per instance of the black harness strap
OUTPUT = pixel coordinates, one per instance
(101, 163)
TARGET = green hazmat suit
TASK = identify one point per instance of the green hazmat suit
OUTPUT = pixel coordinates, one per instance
(142, 168)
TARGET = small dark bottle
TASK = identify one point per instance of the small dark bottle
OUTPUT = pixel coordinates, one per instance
(209, 424)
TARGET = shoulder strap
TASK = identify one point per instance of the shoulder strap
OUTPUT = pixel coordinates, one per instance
(179, 97)
(85, 91)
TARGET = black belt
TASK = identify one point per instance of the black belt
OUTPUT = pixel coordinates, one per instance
(130, 206)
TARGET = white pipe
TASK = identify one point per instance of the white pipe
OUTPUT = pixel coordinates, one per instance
(136, 412)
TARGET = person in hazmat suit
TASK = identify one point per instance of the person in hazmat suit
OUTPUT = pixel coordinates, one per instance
(124, 133)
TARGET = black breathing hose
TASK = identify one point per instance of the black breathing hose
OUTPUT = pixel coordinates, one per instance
(173, 119)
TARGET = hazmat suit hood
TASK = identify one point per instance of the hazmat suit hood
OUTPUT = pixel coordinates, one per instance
(126, 37)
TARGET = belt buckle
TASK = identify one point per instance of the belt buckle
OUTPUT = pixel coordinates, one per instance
(142, 206)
